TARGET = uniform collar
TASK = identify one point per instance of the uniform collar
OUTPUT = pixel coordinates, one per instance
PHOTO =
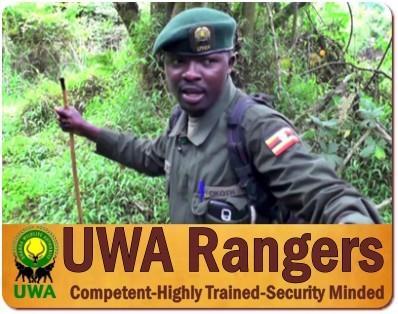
(206, 122)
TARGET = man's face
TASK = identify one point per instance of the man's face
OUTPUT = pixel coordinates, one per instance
(197, 81)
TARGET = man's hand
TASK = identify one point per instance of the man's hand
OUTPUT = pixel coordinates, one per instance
(70, 120)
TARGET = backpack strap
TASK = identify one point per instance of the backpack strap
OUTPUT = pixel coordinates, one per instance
(259, 200)
(239, 157)
(263, 99)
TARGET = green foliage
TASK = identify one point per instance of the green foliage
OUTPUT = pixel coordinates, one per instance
(370, 111)
(335, 21)
(37, 38)
(37, 182)
(299, 95)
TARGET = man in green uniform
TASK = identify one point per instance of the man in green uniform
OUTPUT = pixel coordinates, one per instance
(202, 181)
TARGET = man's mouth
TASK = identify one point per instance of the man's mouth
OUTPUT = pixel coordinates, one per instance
(191, 94)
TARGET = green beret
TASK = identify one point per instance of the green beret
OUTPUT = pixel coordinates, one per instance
(197, 31)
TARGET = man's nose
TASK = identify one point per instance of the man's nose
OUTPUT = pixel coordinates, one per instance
(191, 72)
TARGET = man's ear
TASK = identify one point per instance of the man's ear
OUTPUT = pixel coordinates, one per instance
(231, 61)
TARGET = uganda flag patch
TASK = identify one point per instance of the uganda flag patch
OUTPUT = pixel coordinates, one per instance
(282, 140)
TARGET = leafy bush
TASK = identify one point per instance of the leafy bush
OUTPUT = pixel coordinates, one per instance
(39, 38)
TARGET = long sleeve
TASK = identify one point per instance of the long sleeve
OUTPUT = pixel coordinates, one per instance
(143, 155)
(300, 181)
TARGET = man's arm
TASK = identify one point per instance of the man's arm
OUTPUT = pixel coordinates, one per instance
(70, 120)
(146, 156)
(143, 155)
(304, 183)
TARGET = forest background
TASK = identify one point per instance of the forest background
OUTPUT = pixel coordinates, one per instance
(328, 65)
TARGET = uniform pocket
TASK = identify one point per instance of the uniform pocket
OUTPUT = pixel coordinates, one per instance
(233, 210)
(239, 202)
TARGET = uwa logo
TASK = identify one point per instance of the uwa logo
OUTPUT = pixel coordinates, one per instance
(34, 252)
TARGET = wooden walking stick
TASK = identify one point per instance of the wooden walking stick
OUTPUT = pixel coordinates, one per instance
(73, 157)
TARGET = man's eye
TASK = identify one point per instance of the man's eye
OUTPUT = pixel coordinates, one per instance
(208, 61)
(177, 61)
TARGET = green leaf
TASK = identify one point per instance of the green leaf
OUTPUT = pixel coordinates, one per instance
(309, 134)
(332, 123)
(369, 110)
(367, 152)
(380, 153)
(333, 159)
(370, 147)
(332, 148)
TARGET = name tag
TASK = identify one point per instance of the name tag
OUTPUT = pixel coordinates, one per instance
(222, 192)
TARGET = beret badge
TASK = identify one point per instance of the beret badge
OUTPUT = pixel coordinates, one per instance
(201, 39)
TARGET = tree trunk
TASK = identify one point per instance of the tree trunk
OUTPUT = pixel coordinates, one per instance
(248, 19)
(287, 11)
(190, 5)
(294, 26)
(128, 12)
(162, 11)
(221, 6)
(178, 8)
